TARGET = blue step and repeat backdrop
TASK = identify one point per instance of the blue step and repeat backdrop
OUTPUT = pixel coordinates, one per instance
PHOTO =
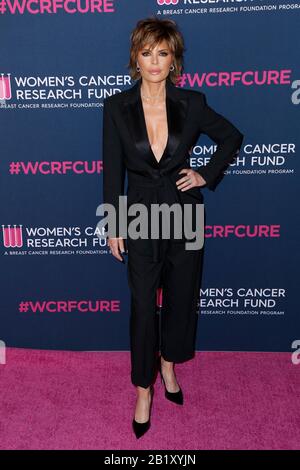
(60, 286)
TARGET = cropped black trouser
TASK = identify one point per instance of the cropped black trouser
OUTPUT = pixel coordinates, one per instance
(178, 272)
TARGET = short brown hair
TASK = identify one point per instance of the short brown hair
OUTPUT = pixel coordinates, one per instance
(152, 31)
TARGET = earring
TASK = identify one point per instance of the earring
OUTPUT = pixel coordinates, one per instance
(138, 68)
(172, 68)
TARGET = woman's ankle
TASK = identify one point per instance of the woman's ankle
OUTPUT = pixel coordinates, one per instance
(143, 392)
(167, 365)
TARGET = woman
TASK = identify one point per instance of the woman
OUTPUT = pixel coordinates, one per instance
(148, 131)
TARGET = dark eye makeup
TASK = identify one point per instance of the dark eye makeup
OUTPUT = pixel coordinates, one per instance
(163, 53)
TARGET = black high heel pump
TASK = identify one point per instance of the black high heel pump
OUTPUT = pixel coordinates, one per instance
(141, 428)
(175, 397)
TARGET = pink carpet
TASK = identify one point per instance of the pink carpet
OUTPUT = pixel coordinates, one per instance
(85, 400)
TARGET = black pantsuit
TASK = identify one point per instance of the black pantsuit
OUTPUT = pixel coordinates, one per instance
(178, 273)
(162, 262)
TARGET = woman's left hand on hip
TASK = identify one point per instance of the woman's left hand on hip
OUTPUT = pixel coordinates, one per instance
(190, 179)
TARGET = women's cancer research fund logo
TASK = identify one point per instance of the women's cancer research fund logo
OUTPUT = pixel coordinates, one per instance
(5, 87)
(12, 236)
(167, 2)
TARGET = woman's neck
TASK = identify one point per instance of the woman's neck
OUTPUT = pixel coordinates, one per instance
(153, 91)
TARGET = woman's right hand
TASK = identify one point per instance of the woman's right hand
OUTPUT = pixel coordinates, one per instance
(116, 245)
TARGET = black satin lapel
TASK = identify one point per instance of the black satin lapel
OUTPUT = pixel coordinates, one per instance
(134, 119)
(177, 113)
(177, 108)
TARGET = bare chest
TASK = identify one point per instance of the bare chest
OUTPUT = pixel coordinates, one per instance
(157, 128)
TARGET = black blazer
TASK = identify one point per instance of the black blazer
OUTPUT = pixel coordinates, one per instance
(126, 145)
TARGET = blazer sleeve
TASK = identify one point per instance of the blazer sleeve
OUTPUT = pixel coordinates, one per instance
(227, 137)
(113, 163)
